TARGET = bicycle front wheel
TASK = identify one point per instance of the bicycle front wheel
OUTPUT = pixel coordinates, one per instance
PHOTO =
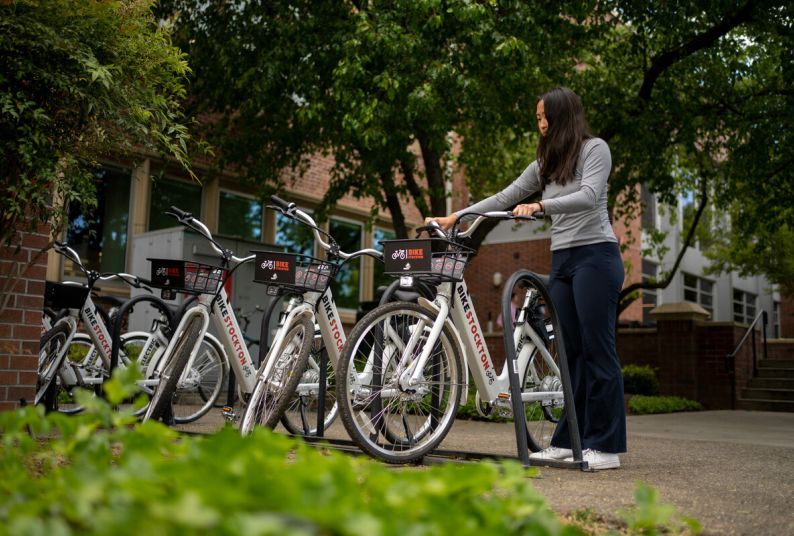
(172, 371)
(273, 392)
(52, 352)
(391, 417)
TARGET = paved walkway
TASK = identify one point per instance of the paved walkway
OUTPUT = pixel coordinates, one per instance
(731, 470)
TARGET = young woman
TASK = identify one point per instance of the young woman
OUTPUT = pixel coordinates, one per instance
(571, 170)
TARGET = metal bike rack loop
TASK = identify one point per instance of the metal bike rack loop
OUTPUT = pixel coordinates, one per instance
(511, 362)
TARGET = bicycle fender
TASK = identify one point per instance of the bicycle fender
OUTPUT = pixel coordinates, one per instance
(424, 302)
(218, 346)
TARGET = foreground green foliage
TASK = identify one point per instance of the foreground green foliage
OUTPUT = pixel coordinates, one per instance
(647, 405)
(96, 474)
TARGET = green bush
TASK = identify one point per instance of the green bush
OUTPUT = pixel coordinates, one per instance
(98, 473)
(646, 405)
(640, 380)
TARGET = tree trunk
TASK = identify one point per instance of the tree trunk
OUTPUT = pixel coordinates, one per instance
(435, 176)
(393, 202)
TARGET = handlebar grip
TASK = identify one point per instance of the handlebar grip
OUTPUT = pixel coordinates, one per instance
(179, 213)
(282, 204)
(59, 244)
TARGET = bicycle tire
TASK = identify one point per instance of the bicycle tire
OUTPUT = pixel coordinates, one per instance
(414, 420)
(272, 394)
(51, 356)
(173, 371)
(200, 386)
(301, 415)
(542, 417)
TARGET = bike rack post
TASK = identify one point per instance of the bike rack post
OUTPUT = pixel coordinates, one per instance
(115, 337)
(511, 362)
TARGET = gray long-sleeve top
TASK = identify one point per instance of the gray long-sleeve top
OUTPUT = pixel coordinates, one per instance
(578, 210)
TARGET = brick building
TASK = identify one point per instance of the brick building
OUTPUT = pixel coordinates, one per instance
(132, 198)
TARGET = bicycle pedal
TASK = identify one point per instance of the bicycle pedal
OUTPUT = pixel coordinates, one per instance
(229, 414)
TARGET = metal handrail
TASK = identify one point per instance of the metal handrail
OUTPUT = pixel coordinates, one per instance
(730, 359)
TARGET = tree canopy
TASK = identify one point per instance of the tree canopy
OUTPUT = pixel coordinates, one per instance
(80, 79)
(692, 97)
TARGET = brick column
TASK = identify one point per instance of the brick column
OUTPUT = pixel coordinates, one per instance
(20, 318)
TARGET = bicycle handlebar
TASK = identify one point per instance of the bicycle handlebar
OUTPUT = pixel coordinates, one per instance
(481, 217)
(290, 210)
(187, 219)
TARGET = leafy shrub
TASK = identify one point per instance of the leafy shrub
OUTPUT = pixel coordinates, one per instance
(646, 405)
(97, 473)
(651, 517)
(640, 380)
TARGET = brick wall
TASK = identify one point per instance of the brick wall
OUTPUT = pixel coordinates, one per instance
(20, 320)
(690, 358)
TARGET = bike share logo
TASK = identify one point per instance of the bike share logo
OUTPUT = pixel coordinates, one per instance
(167, 272)
(474, 334)
(274, 266)
(408, 254)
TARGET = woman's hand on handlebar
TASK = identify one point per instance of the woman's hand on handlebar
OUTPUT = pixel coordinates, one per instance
(445, 222)
(528, 209)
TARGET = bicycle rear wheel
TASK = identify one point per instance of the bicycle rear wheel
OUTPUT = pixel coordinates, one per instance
(200, 385)
(541, 376)
(172, 371)
(386, 416)
(273, 392)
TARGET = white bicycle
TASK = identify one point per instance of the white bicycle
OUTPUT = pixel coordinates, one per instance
(70, 359)
(401, 377)
(307, 281)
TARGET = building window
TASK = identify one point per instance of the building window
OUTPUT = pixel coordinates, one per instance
(699, 290)
(378, 277)
(650, 297)
(347, 286)
(170, 192)
(743, 306)
(99, 235)
(295, 237)
(776, 319)
(240, 216)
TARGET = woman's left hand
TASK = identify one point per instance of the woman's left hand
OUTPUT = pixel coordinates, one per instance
(527, 210)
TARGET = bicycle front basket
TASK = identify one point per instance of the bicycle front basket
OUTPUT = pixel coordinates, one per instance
(431, 258)
(186, 276)
(293, 271)
(61, 296)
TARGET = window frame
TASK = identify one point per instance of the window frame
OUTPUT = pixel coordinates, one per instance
(646, 318)
(744, 318)
(700, 292)
(248, 196)
(173, 178)
(361, 226)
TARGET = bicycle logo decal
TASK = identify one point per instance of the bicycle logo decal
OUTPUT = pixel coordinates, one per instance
(403, 256)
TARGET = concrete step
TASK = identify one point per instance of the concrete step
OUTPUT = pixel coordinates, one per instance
(776, 363)
(765, 405)
(768, 394)
(771, 383)
(778, 373)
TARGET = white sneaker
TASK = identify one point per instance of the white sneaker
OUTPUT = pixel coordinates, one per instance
(551, 453)
(597, 460)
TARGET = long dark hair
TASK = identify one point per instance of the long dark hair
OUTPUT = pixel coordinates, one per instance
(559, 149)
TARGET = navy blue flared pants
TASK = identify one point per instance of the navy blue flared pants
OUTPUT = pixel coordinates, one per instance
(585, 283)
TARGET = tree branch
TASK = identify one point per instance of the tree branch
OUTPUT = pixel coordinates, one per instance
(698, 42)
(625, 299)
(393, 202)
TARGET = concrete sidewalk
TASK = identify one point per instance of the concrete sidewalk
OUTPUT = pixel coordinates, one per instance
(731, 470)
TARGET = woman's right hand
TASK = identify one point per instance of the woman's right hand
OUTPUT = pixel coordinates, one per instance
(446, 222)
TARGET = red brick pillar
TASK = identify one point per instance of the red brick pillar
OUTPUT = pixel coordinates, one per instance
(20, 319)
